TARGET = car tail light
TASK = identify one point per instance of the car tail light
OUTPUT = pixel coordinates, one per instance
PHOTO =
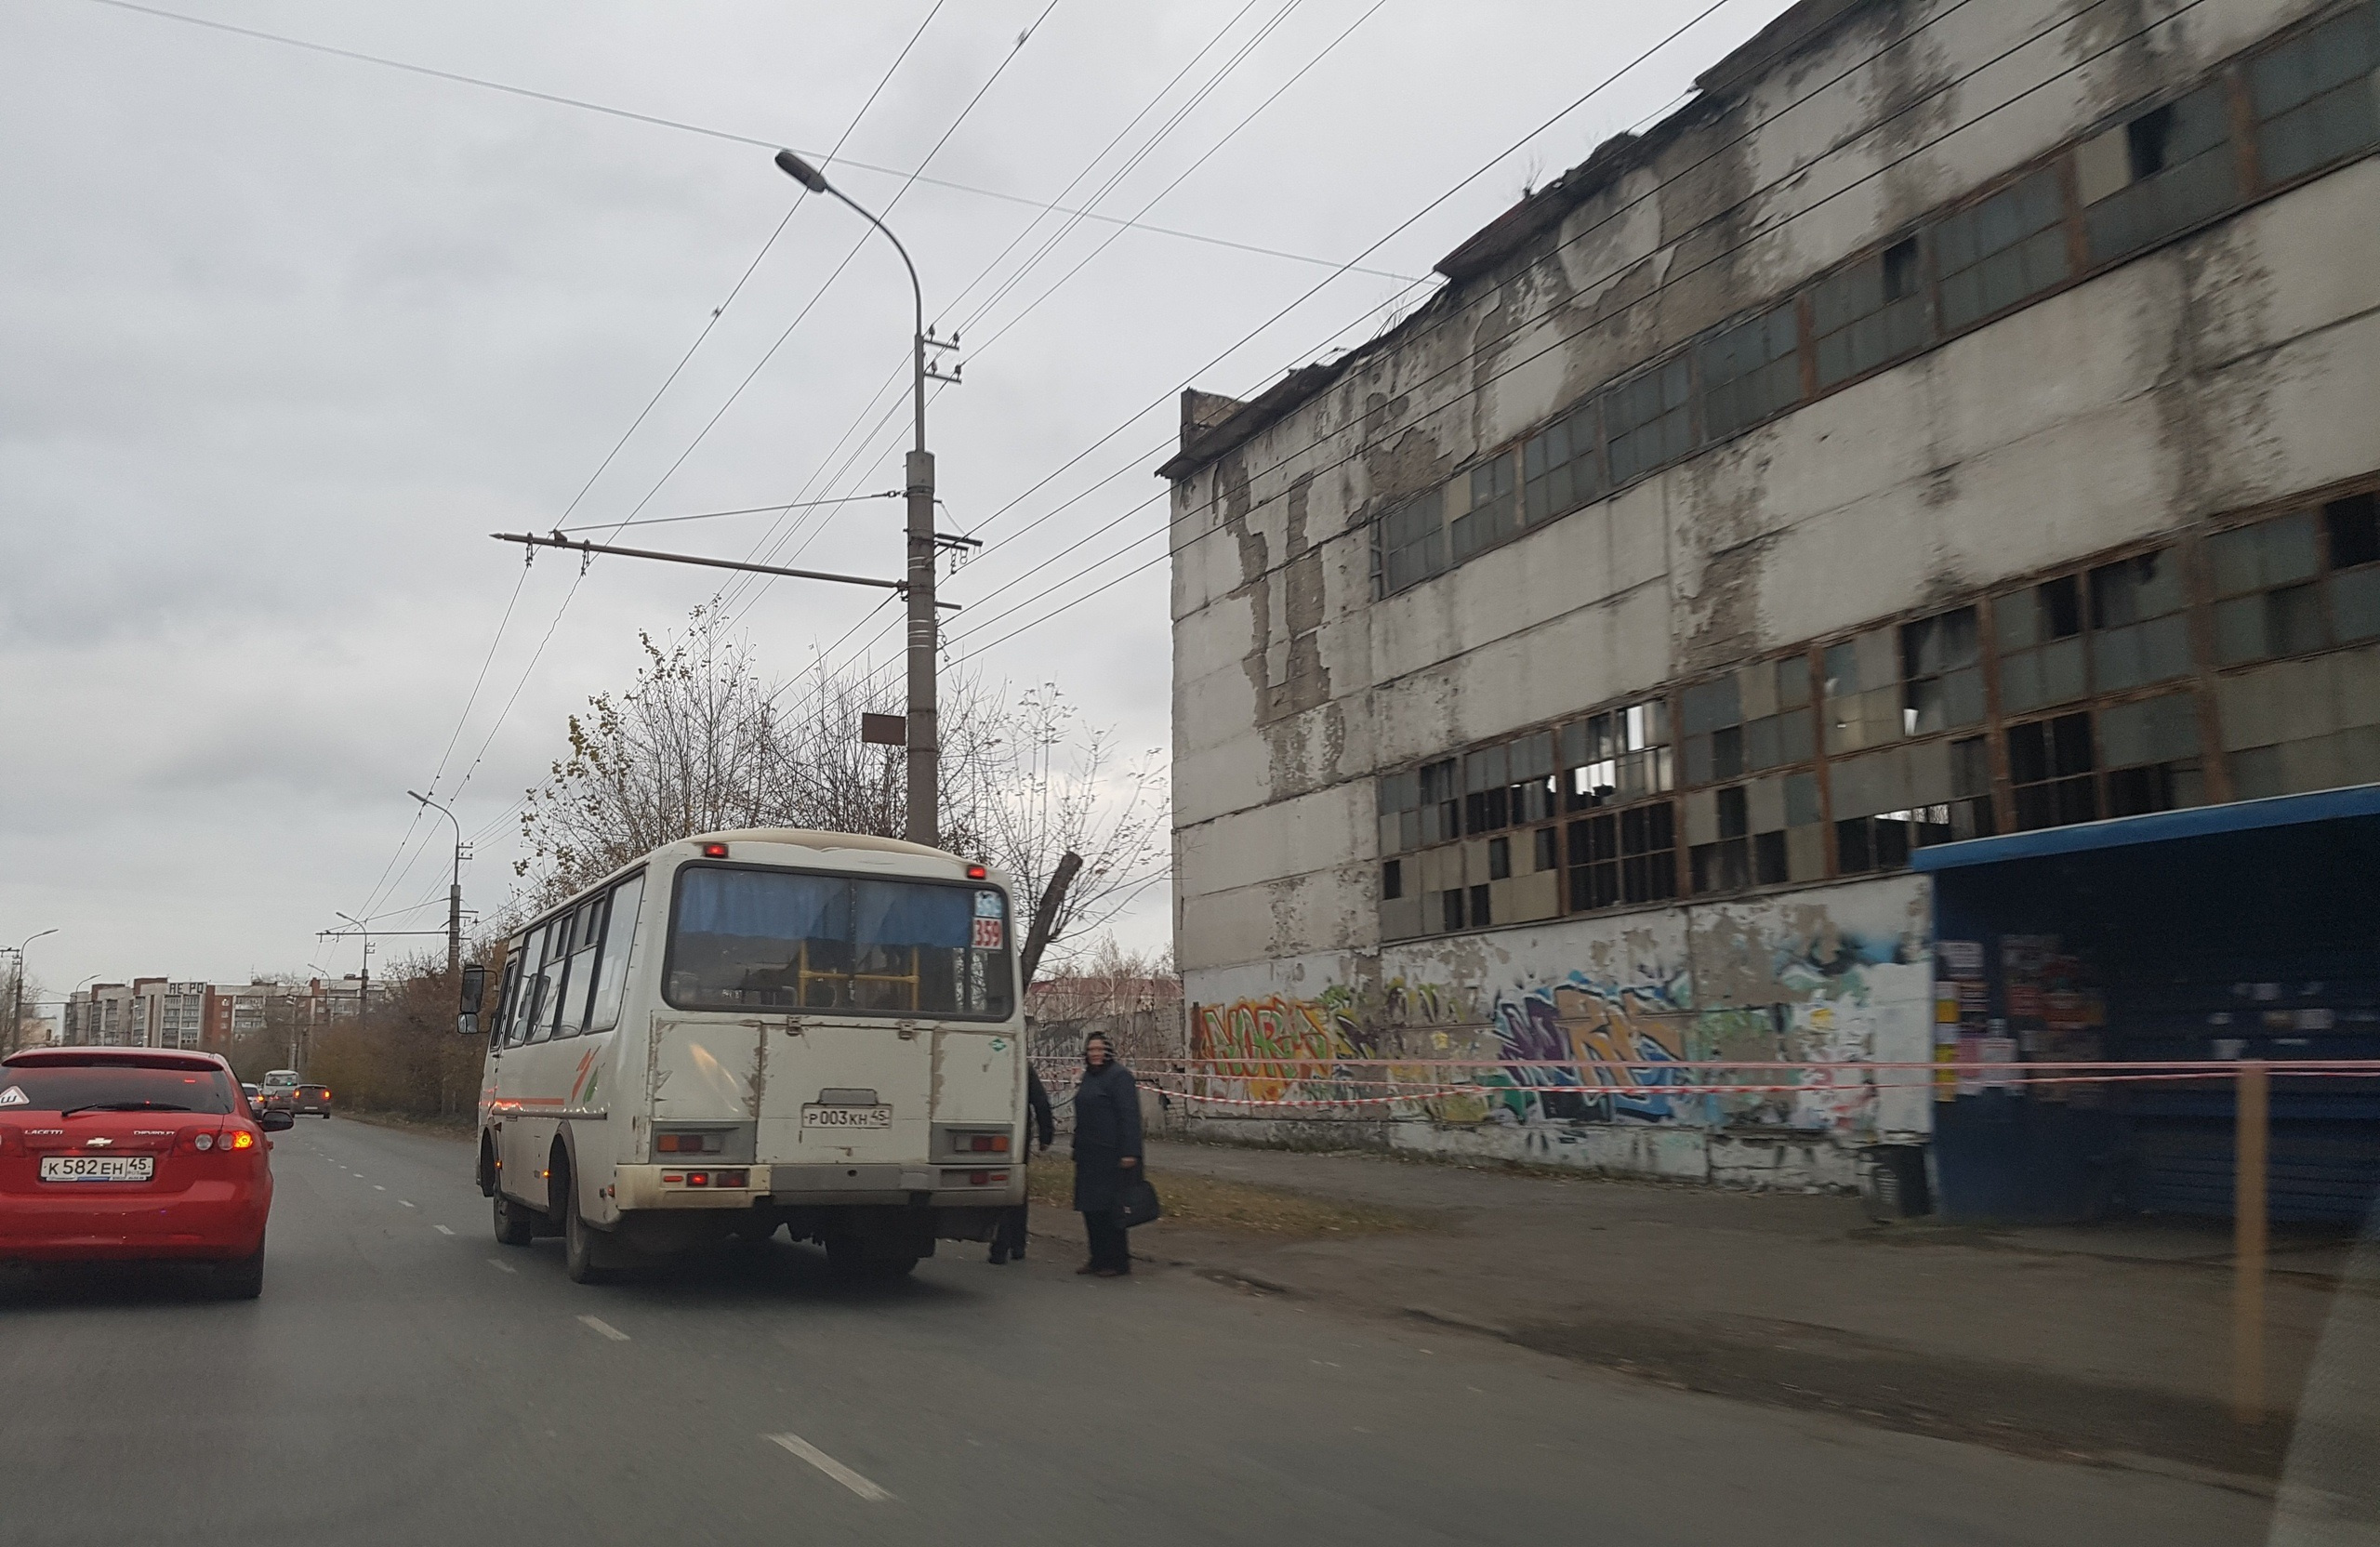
(239, 1138)
(11, 1141)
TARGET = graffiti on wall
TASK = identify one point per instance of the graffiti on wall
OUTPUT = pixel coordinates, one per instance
(1260, 1039)
(1587, 1045)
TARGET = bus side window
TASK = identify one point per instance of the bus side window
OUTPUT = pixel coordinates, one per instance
(508, 997)
(585, 934)
(551, 981)
(619, 951)
(537, 988)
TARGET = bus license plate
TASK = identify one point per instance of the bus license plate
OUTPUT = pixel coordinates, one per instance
(847, 1117)
(98, 1167)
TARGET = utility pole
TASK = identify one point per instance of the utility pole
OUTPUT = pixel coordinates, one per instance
(454, 892)
(363, 995)
(925, 732)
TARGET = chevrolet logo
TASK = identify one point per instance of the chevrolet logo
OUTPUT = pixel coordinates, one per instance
(97, 1144)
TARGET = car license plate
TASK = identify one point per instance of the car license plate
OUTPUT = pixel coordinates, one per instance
(98, 1167)
(847, 1117)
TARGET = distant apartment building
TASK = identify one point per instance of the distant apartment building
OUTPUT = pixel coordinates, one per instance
(168, 1012)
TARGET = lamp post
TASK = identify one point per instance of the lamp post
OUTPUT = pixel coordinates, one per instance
(454, 891)
(924, 731)
(363, 993)
(17, 994)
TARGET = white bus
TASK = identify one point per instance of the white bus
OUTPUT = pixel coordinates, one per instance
(759, 1029)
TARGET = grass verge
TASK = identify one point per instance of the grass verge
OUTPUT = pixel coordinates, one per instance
(1209, 1203)
(437, 1128)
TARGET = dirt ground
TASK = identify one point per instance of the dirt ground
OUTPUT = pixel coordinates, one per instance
(2101, 1344)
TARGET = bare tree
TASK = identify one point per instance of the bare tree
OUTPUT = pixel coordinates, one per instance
(703, 742)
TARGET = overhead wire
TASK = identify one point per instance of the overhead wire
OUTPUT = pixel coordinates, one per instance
(734, 590)
(684, 126)
(1508, 366)
(1631, 65)
(415, 822)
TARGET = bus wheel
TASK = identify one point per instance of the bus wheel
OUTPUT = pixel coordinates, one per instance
(513, 1225)
(583, 1254)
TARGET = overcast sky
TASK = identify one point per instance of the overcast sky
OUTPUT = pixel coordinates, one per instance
(286, 333)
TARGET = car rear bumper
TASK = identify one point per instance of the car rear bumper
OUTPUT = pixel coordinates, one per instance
(206, 1220)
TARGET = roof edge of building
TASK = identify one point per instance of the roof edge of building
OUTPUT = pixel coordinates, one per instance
(1208, 437)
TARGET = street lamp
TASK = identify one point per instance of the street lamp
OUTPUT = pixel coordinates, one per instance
(363, 993)
(924, 731)
(17, 994)
(454, 892)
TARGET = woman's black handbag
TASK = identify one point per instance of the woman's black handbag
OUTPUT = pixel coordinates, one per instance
(1137, 1204)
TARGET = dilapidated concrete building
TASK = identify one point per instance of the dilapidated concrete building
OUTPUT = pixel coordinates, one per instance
(1960, 418)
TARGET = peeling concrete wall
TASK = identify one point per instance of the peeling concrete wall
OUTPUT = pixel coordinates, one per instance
(2236, 365)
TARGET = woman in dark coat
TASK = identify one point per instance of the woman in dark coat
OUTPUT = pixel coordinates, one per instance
(1009, 1240)
(1107, 1153)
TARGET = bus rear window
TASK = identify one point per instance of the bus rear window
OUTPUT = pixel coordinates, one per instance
(130, 1087)
(791, 940)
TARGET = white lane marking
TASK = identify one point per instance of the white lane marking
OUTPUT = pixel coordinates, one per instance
(406, 1201)
(830, 1466)
(441, 1229)
(377, 1188)
(502, 1267)
(598, 1324)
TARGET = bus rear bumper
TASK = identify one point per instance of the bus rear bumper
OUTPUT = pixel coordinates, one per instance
(809, 1186)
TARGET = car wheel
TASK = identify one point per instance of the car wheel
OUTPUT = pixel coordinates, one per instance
(241, 1279)
(513, 1222)
(583, 1254)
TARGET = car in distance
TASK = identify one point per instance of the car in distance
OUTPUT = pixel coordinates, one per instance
(133, 1155)
(255, 1095)
(310, 1101)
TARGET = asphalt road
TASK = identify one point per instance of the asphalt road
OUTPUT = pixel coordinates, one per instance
(405, 1380)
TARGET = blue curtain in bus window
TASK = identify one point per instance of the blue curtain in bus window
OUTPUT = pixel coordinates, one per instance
(755, 904)
(902, 913)
(740, 937)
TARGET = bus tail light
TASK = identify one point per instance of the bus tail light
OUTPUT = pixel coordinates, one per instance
(985, 1179)
(679, 1142)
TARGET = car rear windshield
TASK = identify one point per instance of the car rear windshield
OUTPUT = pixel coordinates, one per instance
(134, 1087)
(754, 939)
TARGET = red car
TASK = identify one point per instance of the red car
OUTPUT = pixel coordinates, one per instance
(133, 1153)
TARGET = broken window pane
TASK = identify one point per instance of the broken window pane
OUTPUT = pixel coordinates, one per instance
(1870, 312)
(2139, 633)
(1560, 467)
(2271, 600)
(2001, 250)
(1492, 514)
(2166, 170)
(2313, 98)
(1942, 673)
(2049, 764)
(1413, 541)
(2353, 530)
(1646, 421)
(1748, 372)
